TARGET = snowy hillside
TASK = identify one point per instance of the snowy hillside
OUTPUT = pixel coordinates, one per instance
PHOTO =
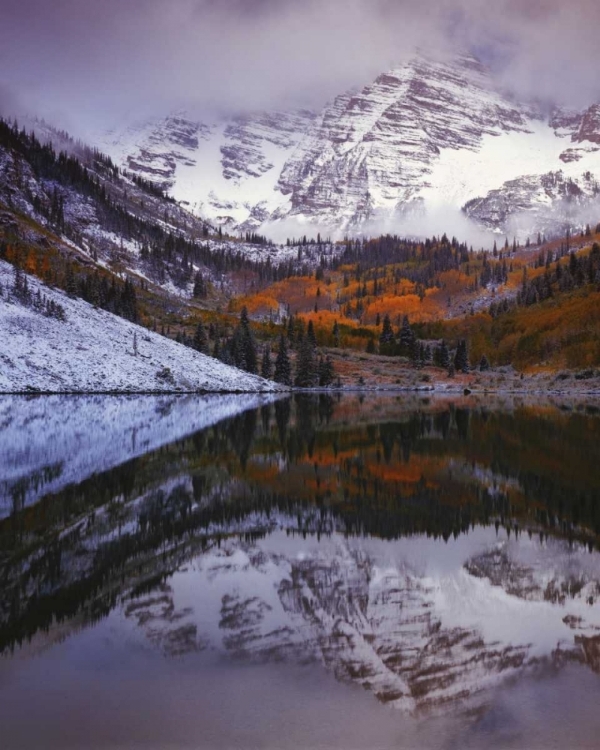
(94, 351)
(424, 138)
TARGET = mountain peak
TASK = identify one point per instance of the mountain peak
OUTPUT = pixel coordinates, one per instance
(428, 131)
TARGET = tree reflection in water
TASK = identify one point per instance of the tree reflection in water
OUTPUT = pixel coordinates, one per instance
(310, 464)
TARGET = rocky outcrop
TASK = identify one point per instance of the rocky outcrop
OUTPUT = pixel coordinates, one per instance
(169, 144)
(245, 150)
(547, 203)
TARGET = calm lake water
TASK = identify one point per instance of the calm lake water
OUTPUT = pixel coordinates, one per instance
(377, 571)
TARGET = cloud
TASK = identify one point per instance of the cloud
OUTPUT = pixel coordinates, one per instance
(85, 64)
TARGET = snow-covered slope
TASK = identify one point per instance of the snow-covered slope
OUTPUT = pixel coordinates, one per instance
(425, 136)
(94, 351)
(227, 170)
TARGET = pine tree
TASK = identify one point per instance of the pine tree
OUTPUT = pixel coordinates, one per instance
(326, 372)
(386, 339)
(336, 334)
(291, 331)
(283, 368)
(266, 367)
(414, 353)
(443, 355)
(406, 338)
(243, 346)
(199, 286)
(306, 371)
(311, 334)
(200, 342)
(71, 283)
(461, 358)
(484, 364)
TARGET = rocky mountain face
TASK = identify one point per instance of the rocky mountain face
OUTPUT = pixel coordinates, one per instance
(375, 150)
(427, 133)
(166, 147)
(548, 202)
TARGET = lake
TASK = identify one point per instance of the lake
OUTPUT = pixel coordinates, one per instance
(358, 571)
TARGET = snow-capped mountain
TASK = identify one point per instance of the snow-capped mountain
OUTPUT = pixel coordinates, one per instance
(227, 170)
(426, 135)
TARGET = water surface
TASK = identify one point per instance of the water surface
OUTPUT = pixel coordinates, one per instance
(374, 571)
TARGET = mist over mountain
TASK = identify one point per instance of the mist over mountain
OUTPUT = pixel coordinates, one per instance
(356, 116)
(90, 63)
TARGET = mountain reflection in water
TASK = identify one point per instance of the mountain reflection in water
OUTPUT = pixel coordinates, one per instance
(429, 551)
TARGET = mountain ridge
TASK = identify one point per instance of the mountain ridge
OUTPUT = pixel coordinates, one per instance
(372, 156)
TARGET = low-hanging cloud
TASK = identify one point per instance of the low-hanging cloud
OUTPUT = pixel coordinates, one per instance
(83, 63)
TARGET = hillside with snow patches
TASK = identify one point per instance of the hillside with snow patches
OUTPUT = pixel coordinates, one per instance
(426, 139)
(93, 350)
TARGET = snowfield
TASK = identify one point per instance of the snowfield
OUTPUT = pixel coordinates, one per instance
(92, 351)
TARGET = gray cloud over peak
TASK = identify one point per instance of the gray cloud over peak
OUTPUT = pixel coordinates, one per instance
(84, 63)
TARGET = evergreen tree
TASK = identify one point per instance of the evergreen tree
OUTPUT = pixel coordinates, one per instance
(414, 352)
(243, 346)
(311, 334)
(200, 341)
(307, 375)
(266, 367)
(443, 355)
(386, 339)
(484, 364)
(461, 358)
(291, 331)
(406, 338)
(199, 286)
(326, 372)
(71, 283)
(283, 368)
(336, 334)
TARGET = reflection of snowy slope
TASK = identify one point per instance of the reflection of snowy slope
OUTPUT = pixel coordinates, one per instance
(54, 441)
(405, 620)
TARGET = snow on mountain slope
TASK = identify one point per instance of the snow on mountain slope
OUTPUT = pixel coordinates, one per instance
(374, 151)
(539, 203)
(93, 351)
(227, 170)
(519, 183)
(427, 135)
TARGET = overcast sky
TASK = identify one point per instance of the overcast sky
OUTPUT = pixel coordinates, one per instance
(82, 63)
